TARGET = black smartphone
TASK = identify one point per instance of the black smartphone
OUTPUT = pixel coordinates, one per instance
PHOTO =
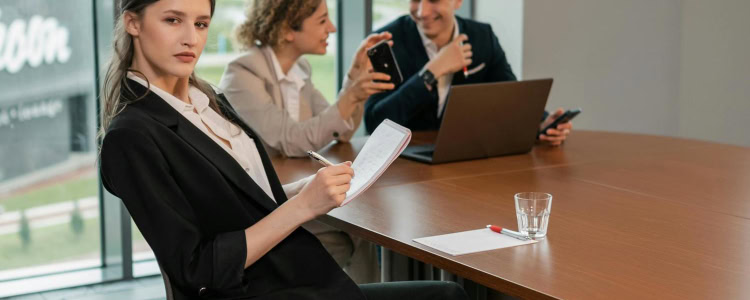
(564, 118)
(383, 61)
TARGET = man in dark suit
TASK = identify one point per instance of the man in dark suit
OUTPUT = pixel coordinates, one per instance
(432, 46)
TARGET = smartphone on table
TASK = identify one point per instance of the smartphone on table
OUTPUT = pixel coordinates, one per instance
(564, 118)
(383, 61)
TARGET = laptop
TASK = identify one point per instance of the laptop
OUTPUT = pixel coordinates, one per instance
(486, 120)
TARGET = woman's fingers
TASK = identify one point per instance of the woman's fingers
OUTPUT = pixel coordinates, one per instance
(338, 180)
(339, 189)
(378, 76)
(380, 85)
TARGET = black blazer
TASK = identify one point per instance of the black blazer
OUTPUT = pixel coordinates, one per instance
(411, 104)
(192, 202)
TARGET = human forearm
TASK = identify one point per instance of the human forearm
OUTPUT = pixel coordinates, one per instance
(356, 90)
(271, 230)
(325, 191)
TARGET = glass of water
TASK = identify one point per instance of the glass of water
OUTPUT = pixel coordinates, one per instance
(532, 212)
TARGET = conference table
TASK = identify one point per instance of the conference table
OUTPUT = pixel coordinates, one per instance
(633, 216)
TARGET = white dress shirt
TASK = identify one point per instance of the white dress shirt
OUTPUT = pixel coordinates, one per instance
(241, 146)
(291, 84)
(444, 82)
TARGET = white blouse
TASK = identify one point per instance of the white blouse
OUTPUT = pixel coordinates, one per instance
(241, 146)
(290, 84)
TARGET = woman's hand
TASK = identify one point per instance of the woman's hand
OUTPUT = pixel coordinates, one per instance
(326, 191)
(356, 91)
(360, 61)
(360, 80)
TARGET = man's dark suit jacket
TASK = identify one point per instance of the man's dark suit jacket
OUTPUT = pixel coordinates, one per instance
(192, 202)
(411, 104)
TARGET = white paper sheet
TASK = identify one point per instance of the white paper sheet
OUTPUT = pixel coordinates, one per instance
(382, 147)
(471, 241)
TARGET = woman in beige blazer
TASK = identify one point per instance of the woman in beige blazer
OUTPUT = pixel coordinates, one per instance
(269, 86)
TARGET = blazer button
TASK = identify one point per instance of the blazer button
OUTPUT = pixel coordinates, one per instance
(202, 291)
(335, 134)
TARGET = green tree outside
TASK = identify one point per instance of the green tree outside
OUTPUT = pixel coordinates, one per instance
(25, 231)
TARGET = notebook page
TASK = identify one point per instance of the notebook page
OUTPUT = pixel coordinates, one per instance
(384, 145)
(471, 241)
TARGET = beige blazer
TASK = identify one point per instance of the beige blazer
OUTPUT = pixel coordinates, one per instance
(251, 86)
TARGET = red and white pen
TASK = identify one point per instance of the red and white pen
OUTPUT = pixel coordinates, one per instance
(508, 232)
(466, 68)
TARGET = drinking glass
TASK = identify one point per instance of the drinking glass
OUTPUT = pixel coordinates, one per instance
(532, 212)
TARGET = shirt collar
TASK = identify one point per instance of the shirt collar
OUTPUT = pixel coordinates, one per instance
(199, 99)
(429, 44)
(295, 74)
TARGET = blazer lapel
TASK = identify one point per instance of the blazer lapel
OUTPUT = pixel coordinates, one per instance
(273, 179)
(162, 112)
(272, 83)
(224, 162)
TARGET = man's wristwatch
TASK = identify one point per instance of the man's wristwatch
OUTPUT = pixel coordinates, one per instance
(429, 79)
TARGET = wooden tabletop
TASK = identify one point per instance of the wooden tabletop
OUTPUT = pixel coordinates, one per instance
(633, 216)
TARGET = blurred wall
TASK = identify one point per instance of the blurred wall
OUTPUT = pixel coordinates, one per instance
(506, 18)
(668, 67)
(715, 76)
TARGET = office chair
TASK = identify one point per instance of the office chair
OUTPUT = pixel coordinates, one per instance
(167, 284)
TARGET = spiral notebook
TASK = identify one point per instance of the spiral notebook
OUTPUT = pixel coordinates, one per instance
(382, 147)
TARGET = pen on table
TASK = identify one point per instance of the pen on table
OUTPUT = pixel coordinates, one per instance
(508, 232)
(319, 158)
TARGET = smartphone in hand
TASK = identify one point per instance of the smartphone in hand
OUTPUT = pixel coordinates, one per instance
(383, 61)
(564, 118)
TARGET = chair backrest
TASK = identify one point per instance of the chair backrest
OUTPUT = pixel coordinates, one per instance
(167, 284)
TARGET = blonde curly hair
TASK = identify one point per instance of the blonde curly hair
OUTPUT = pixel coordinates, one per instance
(268, 19)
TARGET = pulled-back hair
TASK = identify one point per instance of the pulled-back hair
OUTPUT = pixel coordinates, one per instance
(267, 20)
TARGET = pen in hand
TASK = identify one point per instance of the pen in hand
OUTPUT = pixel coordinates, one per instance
(466, 69)
(319, 158)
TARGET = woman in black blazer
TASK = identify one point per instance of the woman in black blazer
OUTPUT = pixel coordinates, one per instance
(198, 182)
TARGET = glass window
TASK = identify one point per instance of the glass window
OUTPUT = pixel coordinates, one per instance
(49, 204)
(221, 46)
(385, 11)
(323, 66)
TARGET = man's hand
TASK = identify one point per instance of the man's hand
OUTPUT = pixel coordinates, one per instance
(452, 57)
(555, 136)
